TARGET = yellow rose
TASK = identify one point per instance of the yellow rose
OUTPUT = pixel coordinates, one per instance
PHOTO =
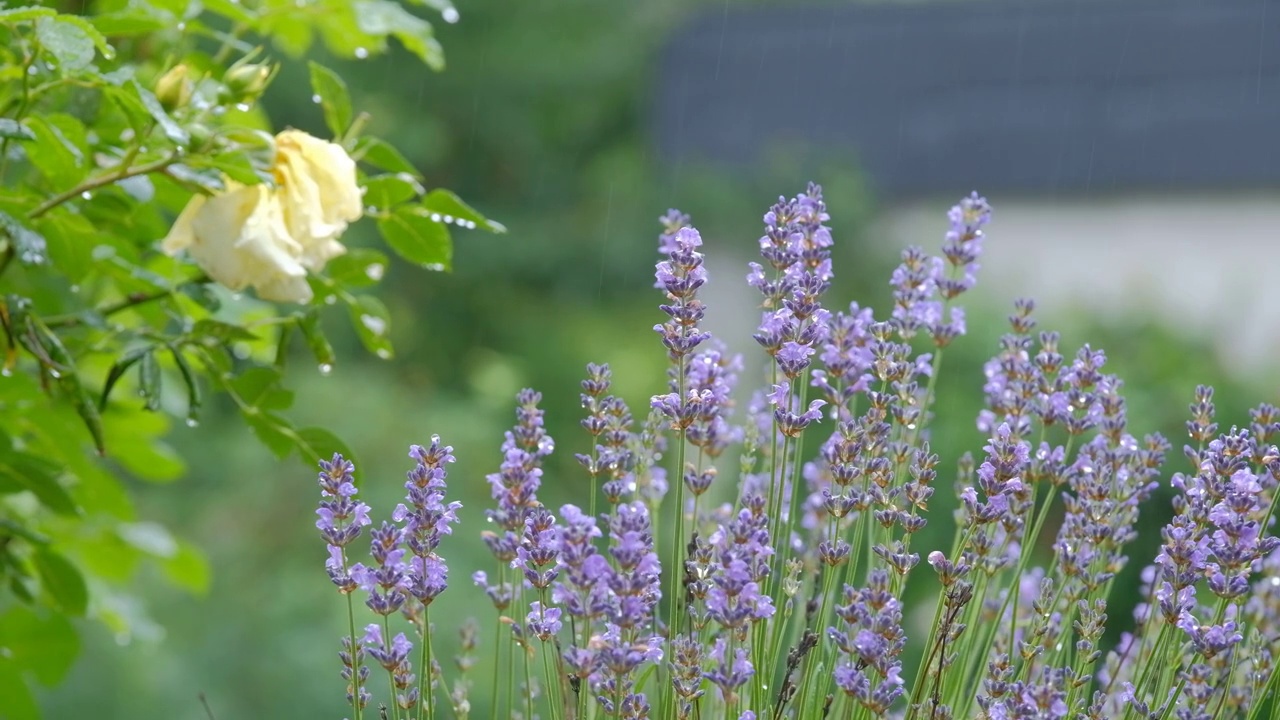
(239, 237)
(268, 236)
(317, 186)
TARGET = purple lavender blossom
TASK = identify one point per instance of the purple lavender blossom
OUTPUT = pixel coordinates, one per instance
(870, 639)
(680, 276)
(341, 518)
(791, 423)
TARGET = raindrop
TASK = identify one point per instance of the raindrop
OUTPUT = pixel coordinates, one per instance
(181, 26)
(126, 135)
(383, 354)
(371, 210)
(54, 374)
(8, 372)
(241, 350)
(192, 422)
(315, 99)
(375, 271)
(74, 288)
(434, 267)
(450, 15)
(449, 219)
(325, 368)
(242, 107)
(361, 53)
(330, 299)
(435, 217)
(1275, 581)
(86, 195)
(375, 325)
(32, 70)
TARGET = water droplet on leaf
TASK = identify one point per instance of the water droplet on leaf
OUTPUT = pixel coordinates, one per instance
(383, 353)
(192, 422)
(316, 99)
(361, 53)
(450, 15)
(375, 271)
(375, 325)
(325, 368)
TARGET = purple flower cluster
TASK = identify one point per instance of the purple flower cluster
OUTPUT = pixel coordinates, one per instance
(870, 639)
(797, 246)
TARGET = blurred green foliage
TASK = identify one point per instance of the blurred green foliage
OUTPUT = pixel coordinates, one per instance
(541, 120)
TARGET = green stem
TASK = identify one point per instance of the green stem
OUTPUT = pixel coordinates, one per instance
(426, 691)
(94, 183)
(355, 666)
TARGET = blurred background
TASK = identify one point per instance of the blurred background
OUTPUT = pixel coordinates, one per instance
(1129, 148)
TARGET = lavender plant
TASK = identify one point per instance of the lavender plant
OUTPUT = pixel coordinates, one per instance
(783, 592)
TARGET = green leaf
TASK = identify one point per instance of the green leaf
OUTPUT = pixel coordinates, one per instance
(62, 580)
(135, 19)
(381, 154)
(57, 157)
(150, 381)
(417, 238)
(207, 179)
(30, 245)
(384, 17)
(315, 444)
(10, 16)
(453, 210)
(65, 236)
(45, 644)
(321, 350)
(372, 323)
(384, 192)
(20, 704)
(190, 379)
(21, 471)
(11, 129)
(69, 44)
(149, 537)
(45, 345)
(188, 569)
(359, 267)
(234, 164)
(334, 99)
(95, 36)
(118, 369)
(272, 430)
(219, 332)
(203, 295)
(260, 387)
(172, 130)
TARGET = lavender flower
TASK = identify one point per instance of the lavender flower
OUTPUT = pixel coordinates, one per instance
(341, 518)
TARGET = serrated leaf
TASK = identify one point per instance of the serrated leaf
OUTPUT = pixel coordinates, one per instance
(383, 17)
(382, 155)
(321, 350)
(452, 209)
(67, 42)
(11, 129)
(170, 127)
(372, 323)
(359, 267)
(203, 295)
(384, 192)
(48, 348)
(45, 644)
(62, 581)
(188, 569)
(150, 381)
(335, 101)
(417, 238)
(315, 444)
(21, 471)
(95, 36)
